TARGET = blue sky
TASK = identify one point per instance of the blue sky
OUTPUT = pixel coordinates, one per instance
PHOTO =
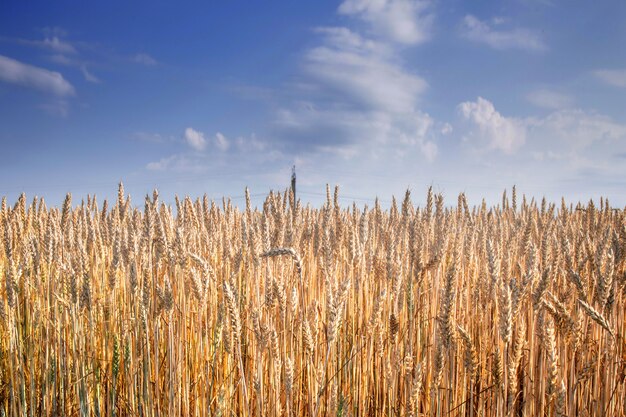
(374, 95)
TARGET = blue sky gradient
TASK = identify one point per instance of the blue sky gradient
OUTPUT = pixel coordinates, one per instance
(374, 95)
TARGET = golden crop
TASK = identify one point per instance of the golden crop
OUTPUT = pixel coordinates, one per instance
(512, 310)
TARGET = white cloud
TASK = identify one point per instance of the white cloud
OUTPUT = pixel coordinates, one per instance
(195, 139)
(404, 21)
(16, 72)
(199, 142)
(144, 59)
(357, 97)
(446, 129)
(548, 99)
(89, 76)
(503, 133)
(363, 71)
(518, 38)
(615, 78)
(221, 142)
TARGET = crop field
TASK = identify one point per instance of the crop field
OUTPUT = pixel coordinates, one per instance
(202, 308)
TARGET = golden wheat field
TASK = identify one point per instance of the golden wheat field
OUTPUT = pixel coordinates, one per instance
(206, 309)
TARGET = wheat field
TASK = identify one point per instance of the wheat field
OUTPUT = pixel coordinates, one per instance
(206, 309)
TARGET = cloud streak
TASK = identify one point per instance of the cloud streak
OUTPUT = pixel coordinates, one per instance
(57, 45)
(548, 99)
(578, 129)
(88, 75)
(612, 77)
(25, 75)
(518, 38)
(407, 22)
(52, 43)
(363, 72)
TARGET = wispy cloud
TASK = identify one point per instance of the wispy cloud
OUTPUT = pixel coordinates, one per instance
(178, 163)
(404, 21)
(516, 38)
(16, 72)
(578, 129)
(144, 59)
(358, 95)
(246, 152)
(88, 75)
(363, 72)
(52, 43)
(160, 165)
(58, 45)
(54, 40)
(614, 77)
(549, 99)
(63, 60)
(80, 54)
